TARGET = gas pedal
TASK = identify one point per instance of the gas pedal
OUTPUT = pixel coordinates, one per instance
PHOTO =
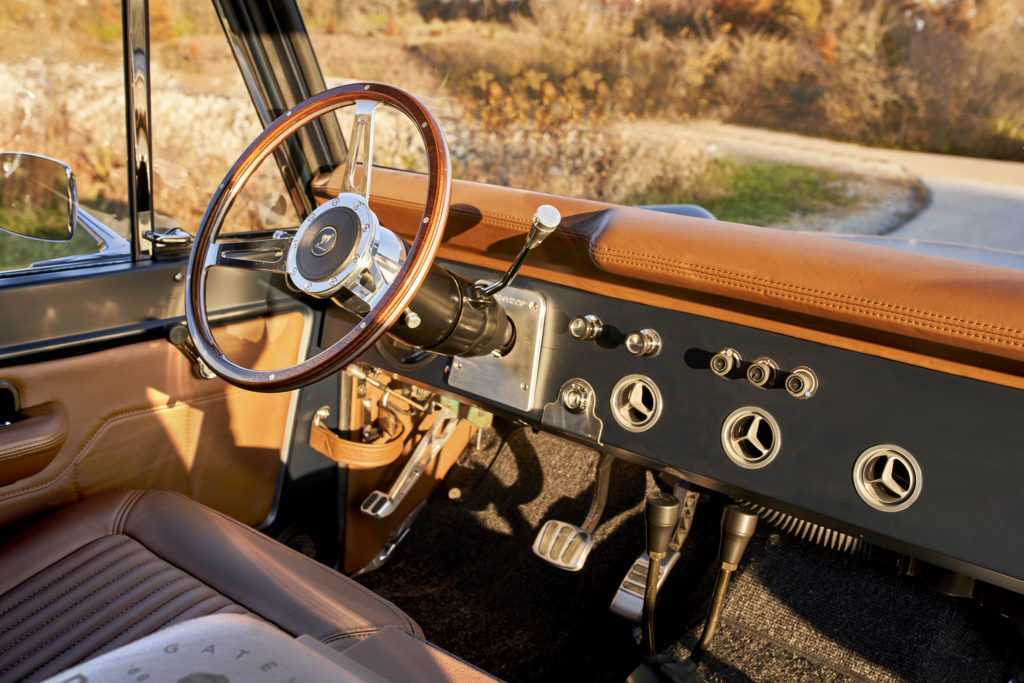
(563, 544)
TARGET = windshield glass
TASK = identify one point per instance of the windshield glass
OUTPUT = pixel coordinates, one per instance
(871, 117)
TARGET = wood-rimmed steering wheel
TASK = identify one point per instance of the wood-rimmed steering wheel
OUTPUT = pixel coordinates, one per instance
(329, 251)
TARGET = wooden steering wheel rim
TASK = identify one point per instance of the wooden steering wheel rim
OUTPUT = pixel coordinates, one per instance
(408, 280)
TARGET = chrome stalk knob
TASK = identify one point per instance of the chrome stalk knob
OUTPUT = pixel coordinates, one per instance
(545, 219)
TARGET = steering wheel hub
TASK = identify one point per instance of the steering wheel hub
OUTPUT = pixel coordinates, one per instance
(339, 247)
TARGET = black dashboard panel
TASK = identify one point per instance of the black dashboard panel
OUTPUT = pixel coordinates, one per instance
(963, 433)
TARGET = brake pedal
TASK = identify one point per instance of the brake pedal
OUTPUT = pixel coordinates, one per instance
(629, 598)
(563, 544)
(566, 545)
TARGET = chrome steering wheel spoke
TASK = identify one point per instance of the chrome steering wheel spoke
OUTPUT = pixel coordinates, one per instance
(360, 150)
(263, 254)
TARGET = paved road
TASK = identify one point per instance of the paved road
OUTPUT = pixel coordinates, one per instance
(973, 201)
(978, 202)
(977, 213)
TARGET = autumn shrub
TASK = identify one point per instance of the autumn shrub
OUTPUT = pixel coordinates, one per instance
(931, 76)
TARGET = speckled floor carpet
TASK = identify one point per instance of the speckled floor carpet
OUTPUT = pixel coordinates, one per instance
(795, 612)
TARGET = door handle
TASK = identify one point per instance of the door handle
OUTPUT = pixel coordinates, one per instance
(31, 441)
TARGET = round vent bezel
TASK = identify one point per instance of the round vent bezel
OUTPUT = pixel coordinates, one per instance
(887, 477)
(742, 439)
(620, 408)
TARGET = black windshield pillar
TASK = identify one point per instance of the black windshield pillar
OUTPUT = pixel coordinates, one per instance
(271, 46)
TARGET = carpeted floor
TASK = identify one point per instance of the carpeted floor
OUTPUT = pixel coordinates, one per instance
(794, 612)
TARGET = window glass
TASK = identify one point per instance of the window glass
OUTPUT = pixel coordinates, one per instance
(203, 119)
(64, 99)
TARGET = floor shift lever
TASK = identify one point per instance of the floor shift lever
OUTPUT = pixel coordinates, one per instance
(661, 515)
(737, 528)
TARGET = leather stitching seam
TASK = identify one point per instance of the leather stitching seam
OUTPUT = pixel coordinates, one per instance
(145, 616)
(123, 510)
(40, 443)
(334, 637)
(682, 266)
(99, 627)
(94, 611)
(879, 309)
(110, 420)
(64, 575)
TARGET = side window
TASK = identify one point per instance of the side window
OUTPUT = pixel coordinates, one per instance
(64, 99)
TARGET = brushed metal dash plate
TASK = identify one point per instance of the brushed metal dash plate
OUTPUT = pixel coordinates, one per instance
(512, 379)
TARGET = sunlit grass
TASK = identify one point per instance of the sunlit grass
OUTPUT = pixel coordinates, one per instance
(758, 192)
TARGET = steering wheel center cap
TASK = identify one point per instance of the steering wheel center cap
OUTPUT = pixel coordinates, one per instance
(334, 246)
(324, 240)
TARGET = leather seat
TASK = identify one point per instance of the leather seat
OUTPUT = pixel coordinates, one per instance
(114, 568)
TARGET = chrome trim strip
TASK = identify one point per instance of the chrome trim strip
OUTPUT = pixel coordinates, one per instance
(135, 36)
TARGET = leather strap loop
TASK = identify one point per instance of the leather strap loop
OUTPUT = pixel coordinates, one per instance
(353, 454)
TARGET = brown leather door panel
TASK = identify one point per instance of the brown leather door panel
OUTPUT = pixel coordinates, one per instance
(136, 416)
(31, 443)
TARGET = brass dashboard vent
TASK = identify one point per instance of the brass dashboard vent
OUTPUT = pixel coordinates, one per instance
(751, 437)
(887, 478)
(636, 403)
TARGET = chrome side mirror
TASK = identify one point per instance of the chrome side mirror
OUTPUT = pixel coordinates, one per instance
(38, 198)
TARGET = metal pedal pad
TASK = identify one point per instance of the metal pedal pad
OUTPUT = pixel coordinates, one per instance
(377, 505)
(629, 599)
(563, 544)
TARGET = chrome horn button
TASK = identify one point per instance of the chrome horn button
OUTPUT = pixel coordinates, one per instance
(341, 249)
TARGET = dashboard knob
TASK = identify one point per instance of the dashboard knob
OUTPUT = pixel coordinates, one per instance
(585, 327)
(575, 397)
(762, 371)
(646, 342)
(802, 382)
(725, 362)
